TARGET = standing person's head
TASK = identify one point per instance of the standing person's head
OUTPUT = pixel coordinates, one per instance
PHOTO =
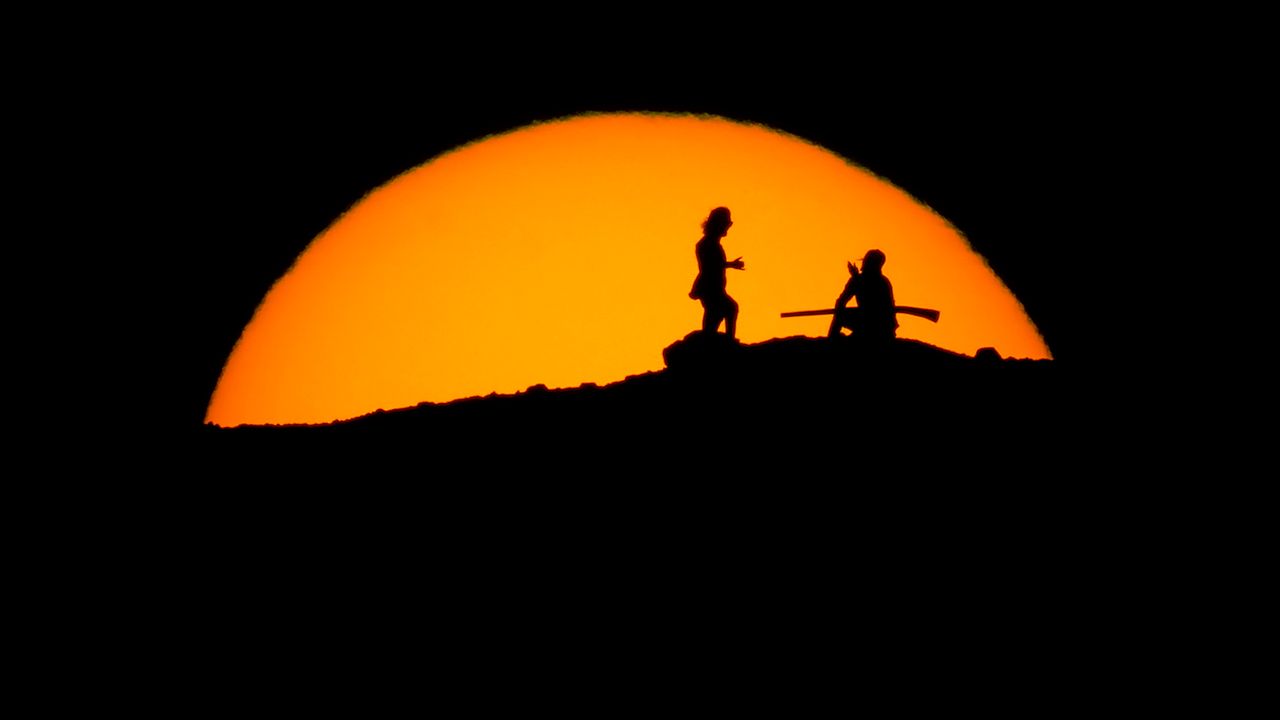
(717, 223)
(873, 261)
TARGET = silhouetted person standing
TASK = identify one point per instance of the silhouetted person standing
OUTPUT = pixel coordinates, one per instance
(709, 286)
(875, 317)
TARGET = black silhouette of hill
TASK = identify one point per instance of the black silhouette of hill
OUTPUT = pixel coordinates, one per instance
(789, 404)
(818, 449)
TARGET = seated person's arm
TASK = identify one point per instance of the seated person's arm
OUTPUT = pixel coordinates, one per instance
(850, 289)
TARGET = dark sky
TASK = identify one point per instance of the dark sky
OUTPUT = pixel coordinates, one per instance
(245, 162)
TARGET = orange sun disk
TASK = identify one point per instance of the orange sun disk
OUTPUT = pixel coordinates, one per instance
(562, 253)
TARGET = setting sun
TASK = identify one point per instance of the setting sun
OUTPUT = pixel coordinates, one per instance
(563, 253)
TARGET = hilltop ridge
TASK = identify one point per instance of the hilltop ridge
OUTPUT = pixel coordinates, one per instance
(715, 392)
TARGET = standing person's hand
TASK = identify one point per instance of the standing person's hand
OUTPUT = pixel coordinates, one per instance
(737, 263)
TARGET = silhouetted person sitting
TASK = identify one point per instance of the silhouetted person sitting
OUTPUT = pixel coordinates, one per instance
(875, 317)
(709, 286)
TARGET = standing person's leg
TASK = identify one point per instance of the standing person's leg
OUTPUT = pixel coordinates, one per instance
(710, 315)
(717, 309)
(730, 317)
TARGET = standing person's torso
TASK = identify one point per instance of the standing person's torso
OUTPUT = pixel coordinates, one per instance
(711, 263)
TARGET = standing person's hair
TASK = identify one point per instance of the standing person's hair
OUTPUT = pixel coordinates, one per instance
(717, 221)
